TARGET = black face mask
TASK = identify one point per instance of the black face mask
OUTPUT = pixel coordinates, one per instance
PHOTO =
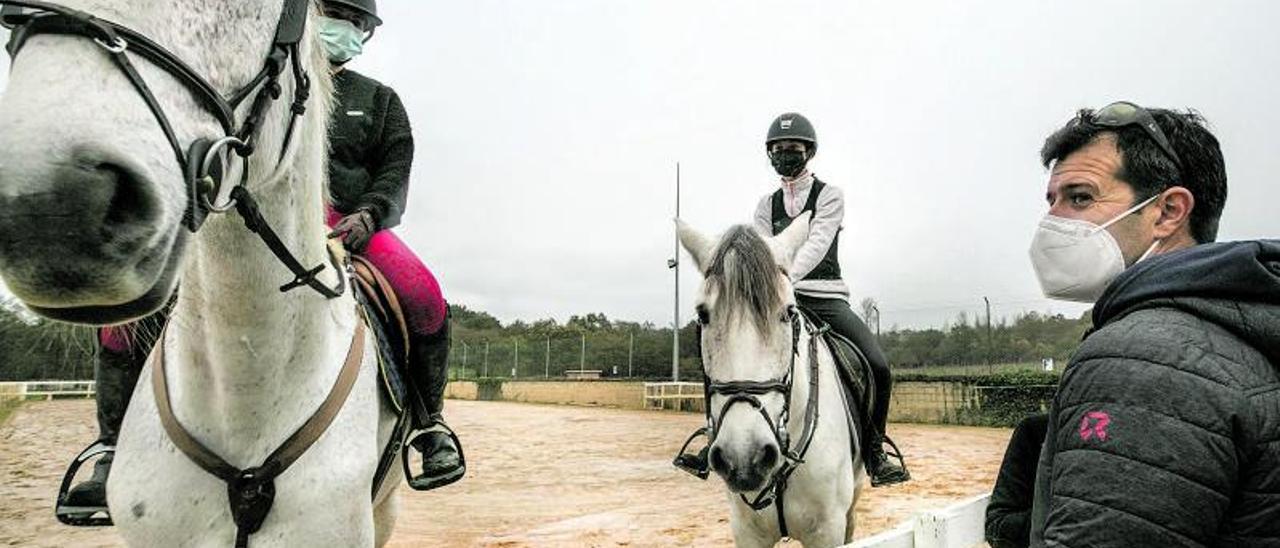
(788, 163)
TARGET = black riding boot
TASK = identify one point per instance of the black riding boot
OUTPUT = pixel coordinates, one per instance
(115, 375)
(442, 460)
(880, 466)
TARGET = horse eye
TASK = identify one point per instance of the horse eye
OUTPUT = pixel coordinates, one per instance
(704, 315)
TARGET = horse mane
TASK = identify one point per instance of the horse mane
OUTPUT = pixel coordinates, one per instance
(742, 268)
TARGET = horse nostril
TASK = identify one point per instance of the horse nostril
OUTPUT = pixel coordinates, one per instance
(718, 462)
(767, 457)
(129, 202)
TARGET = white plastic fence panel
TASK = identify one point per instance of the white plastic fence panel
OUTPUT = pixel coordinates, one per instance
(902, 536)
(959, 525)
(47, 389)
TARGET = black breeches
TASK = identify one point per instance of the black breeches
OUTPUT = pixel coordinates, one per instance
(840, 316)
(116, 372)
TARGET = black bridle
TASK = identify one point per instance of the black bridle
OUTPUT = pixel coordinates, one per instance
(205, 161)
(749, 392)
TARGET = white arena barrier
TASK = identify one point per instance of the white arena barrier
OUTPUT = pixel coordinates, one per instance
(683, 396)
(47, 389)
(959, 525)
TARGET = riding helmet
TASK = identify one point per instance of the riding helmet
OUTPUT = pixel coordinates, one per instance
(792, 126)
(368, 7)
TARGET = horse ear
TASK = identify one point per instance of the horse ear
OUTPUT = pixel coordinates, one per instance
(699, 245)
(787, 242)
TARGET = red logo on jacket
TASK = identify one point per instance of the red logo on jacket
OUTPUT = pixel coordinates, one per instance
(1094, 424)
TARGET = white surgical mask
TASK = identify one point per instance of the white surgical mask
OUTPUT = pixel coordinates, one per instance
(1076, 260)
(342, 39)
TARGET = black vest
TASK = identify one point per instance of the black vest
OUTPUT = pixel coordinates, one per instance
(829, 268)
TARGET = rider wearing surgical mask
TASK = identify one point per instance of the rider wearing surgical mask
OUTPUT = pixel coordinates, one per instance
(815, 272)
(1163, 430)
(371, 152)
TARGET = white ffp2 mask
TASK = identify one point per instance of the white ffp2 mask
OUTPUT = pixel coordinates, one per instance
(1076, 260)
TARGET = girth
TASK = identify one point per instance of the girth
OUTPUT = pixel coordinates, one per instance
(251, 491)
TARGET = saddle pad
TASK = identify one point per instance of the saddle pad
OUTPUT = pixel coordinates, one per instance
(385, 319)
(854, 372)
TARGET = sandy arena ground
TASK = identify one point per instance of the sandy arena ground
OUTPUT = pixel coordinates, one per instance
(539, 475)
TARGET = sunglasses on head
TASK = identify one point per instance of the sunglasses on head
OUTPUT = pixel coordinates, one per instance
(1123, 114)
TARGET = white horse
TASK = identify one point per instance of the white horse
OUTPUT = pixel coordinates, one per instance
(756, 354)
(91, 229)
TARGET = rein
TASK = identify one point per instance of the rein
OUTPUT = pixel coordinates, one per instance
(738, 391)
(205, 161)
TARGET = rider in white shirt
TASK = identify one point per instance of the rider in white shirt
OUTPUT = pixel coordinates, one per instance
(815, 272)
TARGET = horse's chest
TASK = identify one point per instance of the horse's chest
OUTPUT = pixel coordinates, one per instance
(159, 497)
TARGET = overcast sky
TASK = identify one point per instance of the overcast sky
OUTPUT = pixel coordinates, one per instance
(547, 134)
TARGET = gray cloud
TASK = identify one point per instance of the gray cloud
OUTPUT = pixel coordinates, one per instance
(547, 133)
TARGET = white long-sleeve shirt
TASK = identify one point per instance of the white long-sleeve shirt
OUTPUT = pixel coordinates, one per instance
(827, 216)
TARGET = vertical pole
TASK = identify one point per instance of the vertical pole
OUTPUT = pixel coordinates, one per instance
(582, 363)
(990, 367)
(515, 362)
(876, 308)
(486, 359)
(546, 364)
(675, 326)
(631, 351)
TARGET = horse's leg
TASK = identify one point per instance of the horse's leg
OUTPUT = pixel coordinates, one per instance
(749, 531)
(852, 516)
(386, 504)
(384, 518)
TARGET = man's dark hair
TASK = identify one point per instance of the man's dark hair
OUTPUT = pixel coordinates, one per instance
(1149, 170)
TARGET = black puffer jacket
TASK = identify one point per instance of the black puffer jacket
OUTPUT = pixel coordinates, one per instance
(1166, 427)
(371, 149)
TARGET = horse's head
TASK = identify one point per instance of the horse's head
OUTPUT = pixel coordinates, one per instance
(92, 197)
(745, 309)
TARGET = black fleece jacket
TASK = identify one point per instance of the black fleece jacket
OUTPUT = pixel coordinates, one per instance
(1008, 520)
(371, 149)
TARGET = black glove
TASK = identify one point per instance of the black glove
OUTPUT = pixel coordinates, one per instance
(355, 229)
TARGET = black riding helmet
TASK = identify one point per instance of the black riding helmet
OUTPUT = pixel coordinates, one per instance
(792, 126)
(368, 7)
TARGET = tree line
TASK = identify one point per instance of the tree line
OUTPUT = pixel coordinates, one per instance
(32, 348)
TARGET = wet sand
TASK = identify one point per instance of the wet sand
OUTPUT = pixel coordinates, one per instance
(539, 475)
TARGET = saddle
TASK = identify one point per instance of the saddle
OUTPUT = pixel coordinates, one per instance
(385, 318)
(857, 384)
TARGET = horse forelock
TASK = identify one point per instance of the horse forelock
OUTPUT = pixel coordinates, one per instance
(743, 271)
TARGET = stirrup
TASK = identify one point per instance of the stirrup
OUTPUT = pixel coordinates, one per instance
(428, 483)
(693, 463)
(896, 453)
(82, 516)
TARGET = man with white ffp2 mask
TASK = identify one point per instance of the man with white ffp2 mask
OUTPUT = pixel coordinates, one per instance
(1163, 430)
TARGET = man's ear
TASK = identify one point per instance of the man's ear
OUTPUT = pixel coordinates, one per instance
(1175, 205)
